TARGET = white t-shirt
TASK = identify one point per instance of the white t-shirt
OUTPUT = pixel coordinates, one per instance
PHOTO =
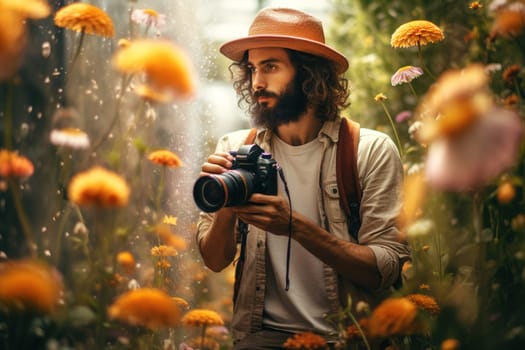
(305, 303)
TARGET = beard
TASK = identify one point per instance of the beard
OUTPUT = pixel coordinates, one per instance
(290, 105)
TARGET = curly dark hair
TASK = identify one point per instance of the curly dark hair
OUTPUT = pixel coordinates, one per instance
(325, 89)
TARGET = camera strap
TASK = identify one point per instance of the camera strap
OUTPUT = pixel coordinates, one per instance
(347, 183)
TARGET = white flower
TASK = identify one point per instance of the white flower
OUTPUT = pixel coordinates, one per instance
(69, 137)
(148, 17)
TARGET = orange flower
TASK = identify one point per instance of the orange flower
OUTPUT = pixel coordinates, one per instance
(450, 344)
(82, 17)
(100, 187)
(181, 302)
(163, 250)
(165, 158)
(416, 33)
(508, 23)
(127, 261)
(506, 192)
(511, 73)
(147, 307)
(425, 302)
(28, 284)
(165, 65)
(163, 231)
(305, 341)
(475, 5)
(202, 317)
(28, 8)
(353, 333)
(458, 97)
(394, 316)
(11, 164)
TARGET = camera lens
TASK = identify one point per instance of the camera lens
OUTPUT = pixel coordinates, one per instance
(213, 192)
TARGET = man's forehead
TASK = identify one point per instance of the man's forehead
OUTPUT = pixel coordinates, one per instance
(267, 54)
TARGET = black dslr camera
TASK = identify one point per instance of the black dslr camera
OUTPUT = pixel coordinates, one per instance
(253, 171)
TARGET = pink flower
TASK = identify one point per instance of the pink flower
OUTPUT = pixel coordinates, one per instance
(148, 17)
(402, 116)
(405, 75)
(477, 155)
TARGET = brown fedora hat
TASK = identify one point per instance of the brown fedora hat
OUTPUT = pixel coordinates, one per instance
(285, 28)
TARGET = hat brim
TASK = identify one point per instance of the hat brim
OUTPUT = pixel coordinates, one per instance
(235, 49)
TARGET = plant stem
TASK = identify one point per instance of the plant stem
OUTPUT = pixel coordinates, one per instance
(160, 189)
(389, 117)
(75, 57)
(22, 216)
(8, 125)
(422, 62)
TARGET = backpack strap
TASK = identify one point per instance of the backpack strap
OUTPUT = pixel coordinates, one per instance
(347, 175)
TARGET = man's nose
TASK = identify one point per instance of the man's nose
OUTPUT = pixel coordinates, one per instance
(258, 82)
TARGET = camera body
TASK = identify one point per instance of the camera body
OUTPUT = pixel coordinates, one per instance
(252, 171)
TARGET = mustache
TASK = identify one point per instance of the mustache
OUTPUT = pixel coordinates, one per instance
(264, 93)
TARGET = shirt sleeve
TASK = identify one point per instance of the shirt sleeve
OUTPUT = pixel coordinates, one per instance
(381, 175)
(228, 142)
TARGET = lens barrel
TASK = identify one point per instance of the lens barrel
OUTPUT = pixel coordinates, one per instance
(234, 187)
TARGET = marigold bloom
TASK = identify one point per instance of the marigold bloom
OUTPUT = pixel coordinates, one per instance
(380, 97)
(475, 5)
(127, 261)
(454, 102)
(394, 316)
(305, 341)
(163, 250)
(12, 164)
(353, 333)
(28, 8)
(181, 302)
(506, 192)
(508, 23)
(69, 137)
(100, 187)
(169, 220)
(165, 158)
(450, 344)
(202, 317)
(163, 231)
(82, 17)
(405, 75)
(425, 302)
(28, 284)
(147, 307)
(165, 65)
(416, 33)
(511, 72)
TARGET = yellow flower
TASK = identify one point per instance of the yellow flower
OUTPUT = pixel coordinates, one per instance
(454, 102)
(306, 341)
(82, 17)
(100, 187)
(163, 250)
(28, 284)
(202, 317)
(165, 158)
(12, 164)
(380, 97)
(165, 65)
(425, 302)
(394, 316)
(147, 307)
(416, 33)
(170, 220)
